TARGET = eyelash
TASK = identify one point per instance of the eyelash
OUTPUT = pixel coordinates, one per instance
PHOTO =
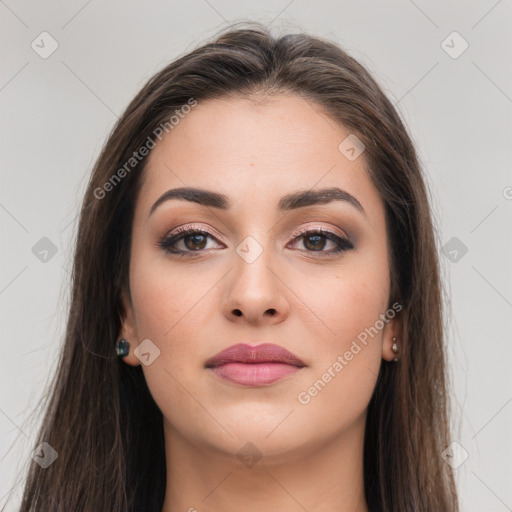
(168, 241)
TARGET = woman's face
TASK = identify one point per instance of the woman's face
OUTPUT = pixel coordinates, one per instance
(253, 274)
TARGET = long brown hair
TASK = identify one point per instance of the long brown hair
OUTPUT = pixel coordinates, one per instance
(100, 416)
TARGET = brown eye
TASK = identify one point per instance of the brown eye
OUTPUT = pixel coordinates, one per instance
(195, 242)
(186, 241)
(317, 240)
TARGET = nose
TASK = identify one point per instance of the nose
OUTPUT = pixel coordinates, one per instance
(255, 294)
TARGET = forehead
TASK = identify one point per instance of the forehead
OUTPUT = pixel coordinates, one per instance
(257, 151)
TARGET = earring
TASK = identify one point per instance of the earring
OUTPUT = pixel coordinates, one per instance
(122, 348)
(394, 348)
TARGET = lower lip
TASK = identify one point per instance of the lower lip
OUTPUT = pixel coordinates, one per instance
(254, 374)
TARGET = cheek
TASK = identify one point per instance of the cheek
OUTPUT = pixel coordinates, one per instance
(163, 298)
(175, 306)
(347, 360)
(171, 311)
(347, 301)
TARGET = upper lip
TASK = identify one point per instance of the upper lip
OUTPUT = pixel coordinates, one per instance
(264, 353)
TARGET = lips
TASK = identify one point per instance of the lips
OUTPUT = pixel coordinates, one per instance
(254, 366)
(264, 353)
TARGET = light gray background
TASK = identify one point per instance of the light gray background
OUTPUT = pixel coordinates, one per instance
(57, 112)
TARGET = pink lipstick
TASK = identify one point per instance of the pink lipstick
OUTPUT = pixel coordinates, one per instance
(254, 366)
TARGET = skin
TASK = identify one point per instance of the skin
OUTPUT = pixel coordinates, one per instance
(255, 152)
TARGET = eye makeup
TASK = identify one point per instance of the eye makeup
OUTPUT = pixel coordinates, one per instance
(315, 237)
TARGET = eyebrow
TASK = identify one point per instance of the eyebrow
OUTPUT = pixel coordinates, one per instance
(299, 199)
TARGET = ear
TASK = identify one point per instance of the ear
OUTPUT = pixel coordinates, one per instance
(128, 329)
(393, 329)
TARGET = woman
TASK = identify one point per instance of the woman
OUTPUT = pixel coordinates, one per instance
(256, 247)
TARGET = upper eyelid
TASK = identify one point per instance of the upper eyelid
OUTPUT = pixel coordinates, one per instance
(307, 229)
(182, 231)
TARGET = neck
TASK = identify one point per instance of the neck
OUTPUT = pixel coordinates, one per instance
(317, 478)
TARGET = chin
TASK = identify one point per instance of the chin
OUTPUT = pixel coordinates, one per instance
(267, 441)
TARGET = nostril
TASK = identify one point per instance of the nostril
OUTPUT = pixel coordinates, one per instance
(237, 312)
